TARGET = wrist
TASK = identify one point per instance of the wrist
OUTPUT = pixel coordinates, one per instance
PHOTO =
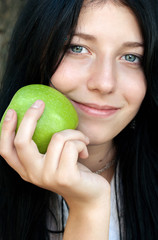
(83, 205)
(89, 223)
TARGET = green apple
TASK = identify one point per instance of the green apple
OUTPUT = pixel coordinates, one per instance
(59, 113)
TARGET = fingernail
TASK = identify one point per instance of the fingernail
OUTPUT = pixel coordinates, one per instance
(37, 104)
(9, 115)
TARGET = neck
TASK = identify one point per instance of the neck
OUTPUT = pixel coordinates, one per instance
(99, 156)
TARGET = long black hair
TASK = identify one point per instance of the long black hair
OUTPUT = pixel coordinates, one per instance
(137, 145)
(37, 47)
(35, 51)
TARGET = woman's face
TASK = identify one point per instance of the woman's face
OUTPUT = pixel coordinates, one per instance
(101, 73)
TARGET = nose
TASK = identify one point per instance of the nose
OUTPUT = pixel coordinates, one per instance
(102, 77)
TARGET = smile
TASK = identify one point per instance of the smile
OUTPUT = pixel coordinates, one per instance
(96, 110)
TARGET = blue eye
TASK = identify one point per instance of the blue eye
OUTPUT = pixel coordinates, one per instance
(78, 49)
(132, 58)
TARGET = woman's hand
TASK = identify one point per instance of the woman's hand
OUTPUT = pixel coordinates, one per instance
(58, 170)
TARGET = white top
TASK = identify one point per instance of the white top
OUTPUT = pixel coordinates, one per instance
(114, 224)
(57, 206)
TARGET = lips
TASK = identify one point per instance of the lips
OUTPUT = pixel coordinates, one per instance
(95, 109)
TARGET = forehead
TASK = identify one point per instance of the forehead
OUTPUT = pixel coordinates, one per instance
(100, 2)
(116, 19)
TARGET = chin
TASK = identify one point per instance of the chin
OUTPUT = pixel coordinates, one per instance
(97, 135)
(97, 138)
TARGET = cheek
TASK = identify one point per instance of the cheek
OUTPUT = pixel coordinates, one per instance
(134, 87)
(69, 75)
(64, 78)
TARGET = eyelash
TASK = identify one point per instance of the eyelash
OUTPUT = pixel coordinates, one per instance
(79, 53)
(136, 57)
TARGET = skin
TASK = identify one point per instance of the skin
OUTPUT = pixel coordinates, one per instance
(103, 74)
(100, 74)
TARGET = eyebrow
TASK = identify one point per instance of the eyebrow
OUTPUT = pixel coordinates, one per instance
(93, 38)
(85, 36)
(133, 44)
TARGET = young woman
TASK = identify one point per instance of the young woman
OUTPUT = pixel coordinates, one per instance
(99, 181)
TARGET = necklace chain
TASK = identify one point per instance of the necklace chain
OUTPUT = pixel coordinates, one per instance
(107, 166)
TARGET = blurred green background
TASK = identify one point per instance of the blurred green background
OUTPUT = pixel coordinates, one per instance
(9, 11)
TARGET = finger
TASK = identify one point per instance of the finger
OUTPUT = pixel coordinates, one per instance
(29, 122)
(7, 149)
(67, 163)
(70, 154)
(26, 148)
(56, 146)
